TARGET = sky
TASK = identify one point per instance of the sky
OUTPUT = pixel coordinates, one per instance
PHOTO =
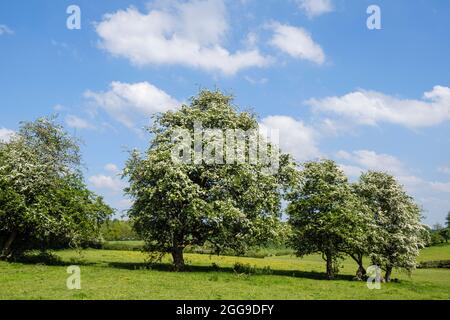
(368, 98)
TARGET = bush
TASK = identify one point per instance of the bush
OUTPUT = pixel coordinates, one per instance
(247, 269)
(118, 230)
(40, 257)
(243, 268)
(445, 264)
(123, 245)
(436, 238)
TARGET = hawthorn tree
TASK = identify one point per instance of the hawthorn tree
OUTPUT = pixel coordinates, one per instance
(446, 232)
(397, 233)
(448, 220)
(358, 244)
(178, 204)
(43, 200)
(427, 236)
(325, 216)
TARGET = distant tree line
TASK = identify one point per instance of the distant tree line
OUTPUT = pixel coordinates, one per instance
(118, 230)
(439, 234)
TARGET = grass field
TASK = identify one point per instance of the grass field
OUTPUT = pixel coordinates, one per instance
(439, 252)
(113, 274)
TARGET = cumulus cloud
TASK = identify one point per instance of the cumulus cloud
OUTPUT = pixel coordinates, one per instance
(77, 122)
(256, 81)
(124, 204)
(444, 169)
(104, 182)
(5, 30)
(251, 40)
(295, 137)
(357, 162)
(6, 134)
(129, 102)
(59, 107)
(111, 167)
(370, 160)
(371, 108)
(176, 33)
(351, 171)
(441, 186)
(296, 42)
(314, 8)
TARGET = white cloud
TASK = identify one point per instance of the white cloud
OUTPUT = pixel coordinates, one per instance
(63, 48)
(100, 181)
(296, 42)
(111, 167)
(314, 8)
(77, 122)
(176, 33)
(441, 186)
(295, 137)
(334, 128)
(124, 204)
(370, 108)
(128, 103)
(6, 134)
(352, 171)
(370, 160)
(361, 161)
(444, 169)
(256, 81)
(5, 30)
(59, 107)
(251, 40)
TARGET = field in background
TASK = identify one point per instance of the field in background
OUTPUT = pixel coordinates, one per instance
(112, 274)
(259, 252)
(439, 252)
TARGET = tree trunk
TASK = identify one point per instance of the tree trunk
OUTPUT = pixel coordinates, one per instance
(178, 259)
(330, 271)
(387, 276)
(7, 247)
(361, 272)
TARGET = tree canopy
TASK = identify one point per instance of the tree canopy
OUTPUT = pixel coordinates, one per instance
(397, 231)
(325, 215)
(231, 206)
(448, 220)
(43, 200)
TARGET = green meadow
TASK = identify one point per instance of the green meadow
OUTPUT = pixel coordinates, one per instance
(114, 274)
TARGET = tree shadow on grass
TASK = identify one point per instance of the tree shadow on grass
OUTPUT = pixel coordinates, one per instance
(243, 270)
(48, 259)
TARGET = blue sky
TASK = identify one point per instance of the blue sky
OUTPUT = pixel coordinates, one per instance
(369, 99)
